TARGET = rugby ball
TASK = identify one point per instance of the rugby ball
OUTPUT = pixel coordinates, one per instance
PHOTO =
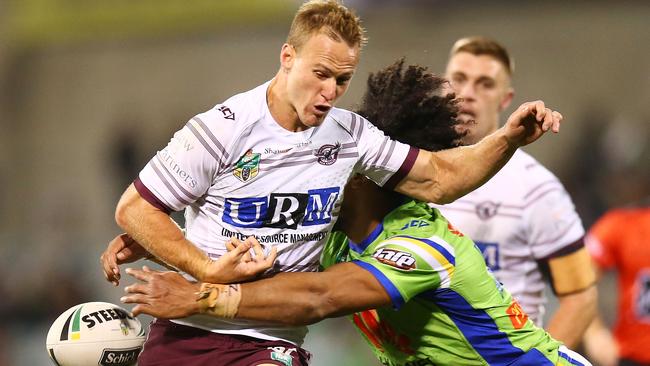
(95, 333)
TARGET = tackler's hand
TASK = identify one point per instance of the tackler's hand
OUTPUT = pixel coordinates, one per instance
(161, 294)
(239, 264)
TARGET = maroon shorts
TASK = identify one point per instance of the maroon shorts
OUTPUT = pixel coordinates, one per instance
(174, 344)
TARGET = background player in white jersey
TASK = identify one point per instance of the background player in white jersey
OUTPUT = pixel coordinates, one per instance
(522, 219)
(272, 162)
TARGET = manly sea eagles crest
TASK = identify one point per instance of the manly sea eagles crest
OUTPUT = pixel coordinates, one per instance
(327, 154)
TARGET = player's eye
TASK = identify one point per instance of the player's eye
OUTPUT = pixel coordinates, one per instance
(457, 80)
(342, 81)
(321, 75)
(487, 84)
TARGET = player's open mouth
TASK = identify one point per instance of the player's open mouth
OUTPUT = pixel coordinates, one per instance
(466, 115)
(322, 109)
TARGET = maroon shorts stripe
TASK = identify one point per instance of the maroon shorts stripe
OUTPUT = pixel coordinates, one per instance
(171, 344)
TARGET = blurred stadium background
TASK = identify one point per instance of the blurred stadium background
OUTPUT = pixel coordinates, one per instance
(90, 89)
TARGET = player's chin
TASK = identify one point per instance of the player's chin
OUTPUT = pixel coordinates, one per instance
(468, 137)
(314, 120)
(464, 129)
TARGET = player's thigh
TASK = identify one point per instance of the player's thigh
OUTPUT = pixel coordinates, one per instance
(276, 353)
(170, 344)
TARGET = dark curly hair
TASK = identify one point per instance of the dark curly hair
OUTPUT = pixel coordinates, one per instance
(407, 104)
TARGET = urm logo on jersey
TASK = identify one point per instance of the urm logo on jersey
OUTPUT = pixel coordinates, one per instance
(282, 210)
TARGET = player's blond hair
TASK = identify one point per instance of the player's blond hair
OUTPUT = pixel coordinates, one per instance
(329, 17)
(478, 45)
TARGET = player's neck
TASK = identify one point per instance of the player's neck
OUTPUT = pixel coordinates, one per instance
(362, 229)
(281, 110)
(370, 207)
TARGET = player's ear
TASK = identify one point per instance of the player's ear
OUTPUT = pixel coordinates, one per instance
(507, 99)
(287, 56)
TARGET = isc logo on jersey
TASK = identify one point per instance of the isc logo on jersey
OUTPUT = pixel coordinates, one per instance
(282, 210)
(395, 258)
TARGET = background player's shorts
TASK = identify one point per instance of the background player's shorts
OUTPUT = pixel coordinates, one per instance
(174, 344)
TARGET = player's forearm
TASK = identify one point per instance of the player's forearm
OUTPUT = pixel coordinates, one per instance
(306, 298)
(159, 234)
(572, 317)
(291, 299)
(287, 298)
(456, 172)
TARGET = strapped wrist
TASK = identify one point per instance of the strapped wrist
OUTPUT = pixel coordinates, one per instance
(219, 300)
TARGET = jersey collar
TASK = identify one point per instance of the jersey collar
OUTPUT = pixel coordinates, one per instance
(361, 247)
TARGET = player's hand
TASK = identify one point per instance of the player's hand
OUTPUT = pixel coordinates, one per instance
(530, 121)
(599, 344)
(602, 351)
(161, 294)
(122, 249)
(239, 264)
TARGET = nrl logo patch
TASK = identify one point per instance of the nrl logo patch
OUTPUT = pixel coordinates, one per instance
(327, 154)
(248, 166)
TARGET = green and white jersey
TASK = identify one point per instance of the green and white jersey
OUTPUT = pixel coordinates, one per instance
(448, 309)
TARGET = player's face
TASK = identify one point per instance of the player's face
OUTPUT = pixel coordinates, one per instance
(318, 75)
(484, 86)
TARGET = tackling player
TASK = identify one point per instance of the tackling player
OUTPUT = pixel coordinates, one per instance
(447, 308)
(522, 219)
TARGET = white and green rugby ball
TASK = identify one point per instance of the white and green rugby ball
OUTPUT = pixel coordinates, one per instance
(95, 333)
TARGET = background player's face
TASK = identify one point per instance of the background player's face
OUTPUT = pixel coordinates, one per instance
(318, 75)
(484, 86)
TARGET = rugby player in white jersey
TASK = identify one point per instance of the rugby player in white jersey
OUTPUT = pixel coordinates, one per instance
(522, 219)
(272, 162)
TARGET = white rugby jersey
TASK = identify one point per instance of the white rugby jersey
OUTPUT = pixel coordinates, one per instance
(236, 172)
(521, 216)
